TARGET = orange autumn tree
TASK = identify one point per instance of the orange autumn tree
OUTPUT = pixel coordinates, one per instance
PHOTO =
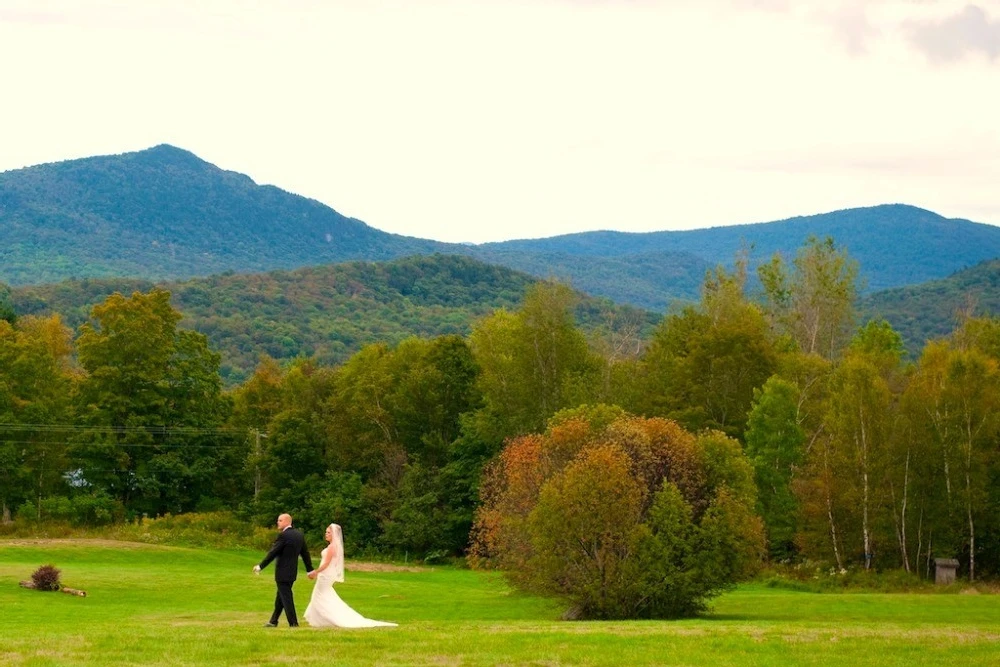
(621, 516)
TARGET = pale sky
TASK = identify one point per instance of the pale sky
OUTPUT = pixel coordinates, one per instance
(484, 120)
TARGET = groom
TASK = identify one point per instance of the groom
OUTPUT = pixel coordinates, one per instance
(287, 549)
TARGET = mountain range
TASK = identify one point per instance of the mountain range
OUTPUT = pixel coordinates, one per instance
(165, 214)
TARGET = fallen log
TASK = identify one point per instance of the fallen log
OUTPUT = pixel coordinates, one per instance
(65, 589)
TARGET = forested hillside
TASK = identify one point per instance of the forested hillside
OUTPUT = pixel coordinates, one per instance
(163, 213)
(325, 312)
(655, 280)
(895, 244)
(932, 309)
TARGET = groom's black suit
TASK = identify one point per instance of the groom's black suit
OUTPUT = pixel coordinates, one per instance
(287, 549)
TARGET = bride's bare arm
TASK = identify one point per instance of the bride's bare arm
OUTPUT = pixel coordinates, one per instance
(327, 559)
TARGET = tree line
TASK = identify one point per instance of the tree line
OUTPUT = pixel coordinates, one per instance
(325, 312)
(859, 457)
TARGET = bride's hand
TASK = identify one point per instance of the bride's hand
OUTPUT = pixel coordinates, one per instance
(313, 574)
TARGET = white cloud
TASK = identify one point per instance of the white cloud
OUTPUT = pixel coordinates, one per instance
(944, 30)
(852, 25)
(970, 31)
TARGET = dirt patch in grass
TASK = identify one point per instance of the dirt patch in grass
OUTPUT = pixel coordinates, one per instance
(361, 566)
(447, 660)
(88, 542)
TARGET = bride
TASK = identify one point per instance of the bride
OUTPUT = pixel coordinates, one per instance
(325, 608)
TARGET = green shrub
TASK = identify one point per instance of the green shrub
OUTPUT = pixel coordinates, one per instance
(824, 578)
(220, 530)
(621, 516)
(93, 509)
(198, 529)
(417, 522)
(96, 509)
(57, 508)
(26, 512)
(582, 529)
(339, 499)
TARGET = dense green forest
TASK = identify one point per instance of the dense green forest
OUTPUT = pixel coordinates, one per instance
(165, 214)
(329, 312)
(931, 310)
(653, 280)
(326, 313)
(850, 456)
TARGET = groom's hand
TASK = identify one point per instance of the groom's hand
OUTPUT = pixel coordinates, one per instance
(313, 574)
(256, 569)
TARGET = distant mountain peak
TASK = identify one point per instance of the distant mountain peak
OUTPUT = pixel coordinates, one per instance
(897, 208)
(163, 212)
(168, 155)
(165, 148)
(168, 150)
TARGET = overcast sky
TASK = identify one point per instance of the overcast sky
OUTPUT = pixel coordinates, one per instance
(481, 120)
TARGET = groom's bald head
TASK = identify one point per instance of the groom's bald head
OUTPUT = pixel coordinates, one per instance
(284, 521)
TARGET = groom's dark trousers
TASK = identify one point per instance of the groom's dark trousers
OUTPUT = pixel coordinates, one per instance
(284, 600)
(287, 549)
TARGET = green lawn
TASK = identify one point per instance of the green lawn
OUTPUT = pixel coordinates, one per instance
(174, 606)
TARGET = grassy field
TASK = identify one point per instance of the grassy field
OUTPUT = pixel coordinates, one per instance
(175, 606)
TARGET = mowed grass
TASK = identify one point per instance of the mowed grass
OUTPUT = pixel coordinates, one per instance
(175, 606)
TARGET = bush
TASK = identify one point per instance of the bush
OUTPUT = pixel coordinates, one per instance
(219, 530)
(339, 498)
(417, 522)
(93, 509)
(46, 578)
(585, 523)
(624, 517)
(26, 512)
(824, 578)
(96, 509)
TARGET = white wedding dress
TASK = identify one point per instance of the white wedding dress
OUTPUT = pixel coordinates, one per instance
(326, 609)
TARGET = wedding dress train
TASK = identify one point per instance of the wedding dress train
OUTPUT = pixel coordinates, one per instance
(326, 609)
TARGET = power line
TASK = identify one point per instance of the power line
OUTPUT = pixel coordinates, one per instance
(155, 430)
(86, 468)
(162, 445)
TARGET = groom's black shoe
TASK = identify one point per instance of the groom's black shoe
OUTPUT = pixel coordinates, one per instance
(270, 625)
